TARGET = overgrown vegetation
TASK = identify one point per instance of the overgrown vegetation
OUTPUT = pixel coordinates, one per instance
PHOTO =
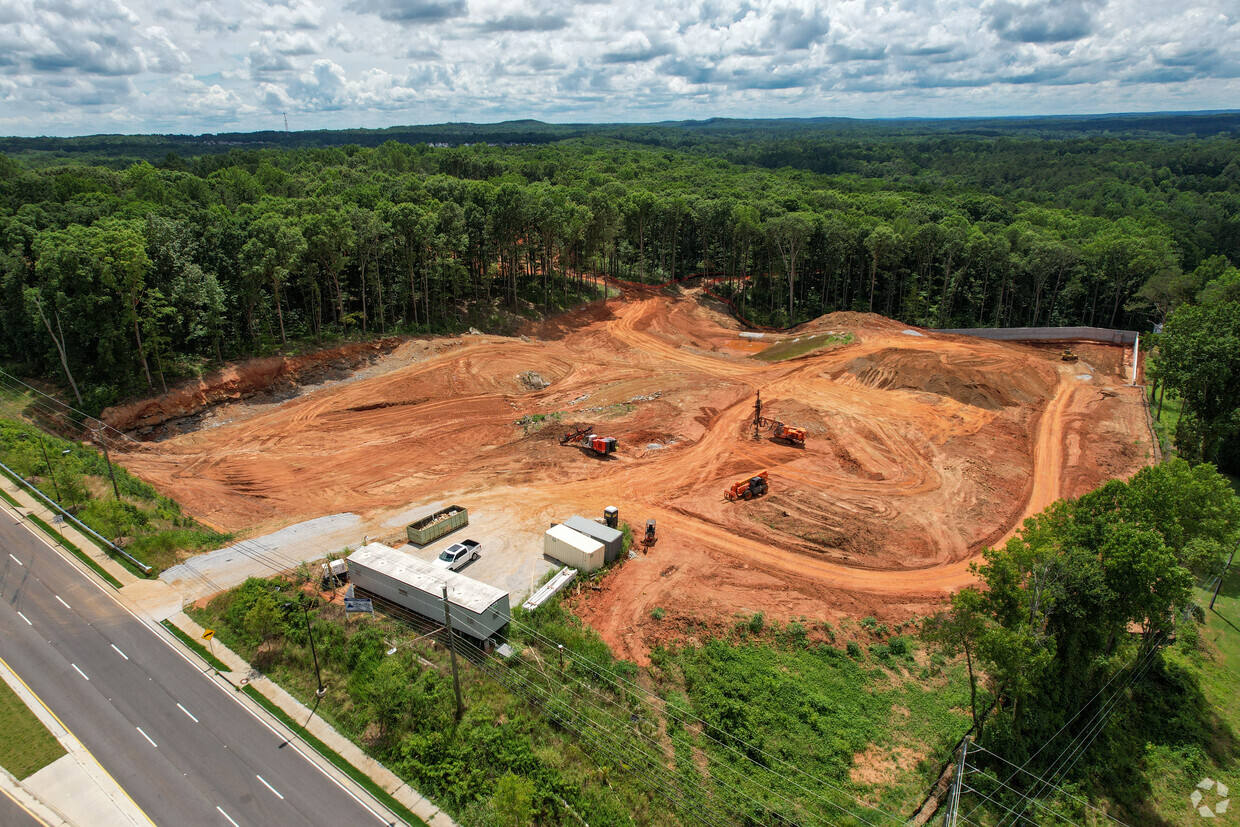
(1070, 634)
(149, 526)
(580, 736)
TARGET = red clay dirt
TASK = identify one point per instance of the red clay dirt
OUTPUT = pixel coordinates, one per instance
(923, 449)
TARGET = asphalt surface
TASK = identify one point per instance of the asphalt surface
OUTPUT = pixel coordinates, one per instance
(177, 742)
(12, 815)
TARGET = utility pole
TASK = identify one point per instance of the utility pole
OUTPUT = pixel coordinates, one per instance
(1221, 575)
(456, 680)
(107, 458)
(953, 801)
(285, 123)
(48, 462)
(305, 611)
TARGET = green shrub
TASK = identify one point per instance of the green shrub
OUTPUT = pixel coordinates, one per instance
(756, 622)
(854, 650)
(657, 613)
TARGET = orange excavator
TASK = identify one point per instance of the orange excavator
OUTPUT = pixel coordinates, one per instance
(747, 489)
(584, 437)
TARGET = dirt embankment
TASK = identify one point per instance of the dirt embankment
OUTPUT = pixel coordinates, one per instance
(923, 450)
(272, 375)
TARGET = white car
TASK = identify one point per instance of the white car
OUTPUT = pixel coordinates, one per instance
(456, 556)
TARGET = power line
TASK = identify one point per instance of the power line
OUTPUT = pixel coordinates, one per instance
(1077, 799)
(9, 379)
(1027, 798)
(585, 702)
(741, 776)
(705, 724)
(561, 712)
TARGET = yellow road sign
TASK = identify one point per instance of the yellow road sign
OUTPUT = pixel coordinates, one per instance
(208, 634)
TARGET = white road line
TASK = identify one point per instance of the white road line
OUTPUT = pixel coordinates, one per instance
(79, 671)
(268, 786)
(23, 617)
(119, 652)
(187, 712)
(147, 737)
(111, 595)
(15, 560)
(227, 816)
(63, 603)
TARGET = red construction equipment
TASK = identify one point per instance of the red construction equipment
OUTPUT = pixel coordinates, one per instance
(786, 433)
(598, 445)
(747, 489)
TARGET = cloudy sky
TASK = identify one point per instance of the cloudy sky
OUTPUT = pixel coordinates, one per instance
(72, 67)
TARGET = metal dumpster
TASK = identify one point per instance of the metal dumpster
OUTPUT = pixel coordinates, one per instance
(436, 525)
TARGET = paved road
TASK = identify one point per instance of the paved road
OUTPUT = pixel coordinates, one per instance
(12, 815)
(175, 741)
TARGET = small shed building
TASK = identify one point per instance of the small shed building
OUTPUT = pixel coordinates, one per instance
(611, 538)
(573, 548)
(478, 610)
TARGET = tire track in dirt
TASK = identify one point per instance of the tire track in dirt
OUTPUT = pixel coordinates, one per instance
(900, 484)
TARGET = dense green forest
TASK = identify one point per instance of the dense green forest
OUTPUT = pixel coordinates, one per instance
(117, 279)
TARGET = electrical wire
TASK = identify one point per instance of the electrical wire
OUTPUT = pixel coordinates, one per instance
(705, 725)
(564, 714)
(1077, 799)
(586, 702)
(581, 699)
(1028, 799)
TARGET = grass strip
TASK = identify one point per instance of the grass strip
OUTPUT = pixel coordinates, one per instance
(130, 567)
(25, 744)
(197, 647)
(81, 555)
(364, 780)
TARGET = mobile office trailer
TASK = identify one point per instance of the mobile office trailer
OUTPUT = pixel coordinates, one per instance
(434, 526)
(477, 610)
(573, 548)
(611, 538)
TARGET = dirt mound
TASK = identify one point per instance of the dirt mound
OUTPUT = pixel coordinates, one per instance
(984, 383)
(922, 450)
(851, 320)
(243, 380)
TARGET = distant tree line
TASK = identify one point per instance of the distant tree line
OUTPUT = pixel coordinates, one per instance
(118, 280)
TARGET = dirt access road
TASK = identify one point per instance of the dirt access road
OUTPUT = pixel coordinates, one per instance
(923, 449)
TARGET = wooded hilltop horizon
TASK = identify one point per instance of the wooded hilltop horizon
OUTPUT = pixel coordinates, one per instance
(119, 274)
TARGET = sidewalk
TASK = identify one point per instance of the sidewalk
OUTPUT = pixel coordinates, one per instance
(74, 789)
(422, 807)
(155, 601)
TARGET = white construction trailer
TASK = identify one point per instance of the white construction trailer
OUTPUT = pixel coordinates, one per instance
(572, 548)
(477, 610)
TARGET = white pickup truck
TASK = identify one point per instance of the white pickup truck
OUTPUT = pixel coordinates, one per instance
(456, 556)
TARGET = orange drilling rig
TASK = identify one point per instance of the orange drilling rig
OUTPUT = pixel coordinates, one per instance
(785, 433)
(749, 488)
(584, 437)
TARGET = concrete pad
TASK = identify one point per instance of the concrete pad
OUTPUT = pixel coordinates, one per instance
(153, 598)
(78, 796)
(207, 574)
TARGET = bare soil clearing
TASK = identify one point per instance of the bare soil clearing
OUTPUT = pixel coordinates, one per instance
(923, 449)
